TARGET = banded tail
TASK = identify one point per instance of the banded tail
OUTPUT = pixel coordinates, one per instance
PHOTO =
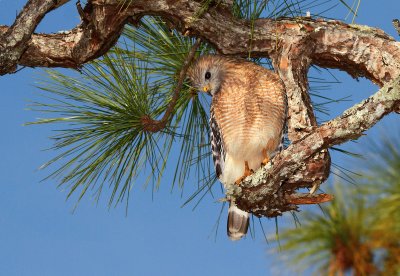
(238, 222)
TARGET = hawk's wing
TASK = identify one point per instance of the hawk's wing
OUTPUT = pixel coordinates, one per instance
(238, 220)
(217, 145)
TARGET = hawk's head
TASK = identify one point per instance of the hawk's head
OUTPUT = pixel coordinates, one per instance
(207, 74)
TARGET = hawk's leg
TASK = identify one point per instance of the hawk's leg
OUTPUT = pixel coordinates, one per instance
(266, 157)
(247, 172)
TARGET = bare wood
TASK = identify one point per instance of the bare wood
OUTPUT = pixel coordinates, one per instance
(301, 199)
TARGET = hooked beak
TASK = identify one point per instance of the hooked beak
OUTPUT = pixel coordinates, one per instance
(207, 89)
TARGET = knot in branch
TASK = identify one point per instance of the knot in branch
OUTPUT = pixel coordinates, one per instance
(152, 125)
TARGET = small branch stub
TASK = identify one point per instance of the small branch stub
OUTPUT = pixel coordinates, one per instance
(85, 17)
(396, 24)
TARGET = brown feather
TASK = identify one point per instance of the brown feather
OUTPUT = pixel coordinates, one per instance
(248, 116)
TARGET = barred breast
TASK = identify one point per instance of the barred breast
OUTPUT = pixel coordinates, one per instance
(250, 111)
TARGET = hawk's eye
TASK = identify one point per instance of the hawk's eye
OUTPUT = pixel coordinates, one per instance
(208, 75)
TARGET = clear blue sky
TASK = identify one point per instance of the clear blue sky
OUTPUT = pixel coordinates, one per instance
(39, 234)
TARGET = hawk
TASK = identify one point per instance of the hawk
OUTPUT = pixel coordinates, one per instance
(247, 120)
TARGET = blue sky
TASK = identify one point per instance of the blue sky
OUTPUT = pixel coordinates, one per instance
(40, 235)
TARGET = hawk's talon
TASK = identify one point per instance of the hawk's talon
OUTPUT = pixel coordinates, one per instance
(247, 172)
(266, 157)
(265, 161)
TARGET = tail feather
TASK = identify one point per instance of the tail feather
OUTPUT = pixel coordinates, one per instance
(238, 222)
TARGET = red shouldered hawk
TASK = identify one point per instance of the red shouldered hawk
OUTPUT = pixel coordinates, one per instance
(247, 118)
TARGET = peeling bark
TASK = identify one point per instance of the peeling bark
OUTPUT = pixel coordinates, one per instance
(293, 45)
(13, 40)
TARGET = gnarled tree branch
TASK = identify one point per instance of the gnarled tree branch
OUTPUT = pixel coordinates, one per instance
(14, 40)
(359, 50)
(293, 44)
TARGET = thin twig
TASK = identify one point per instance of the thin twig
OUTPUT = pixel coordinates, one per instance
(152, 125)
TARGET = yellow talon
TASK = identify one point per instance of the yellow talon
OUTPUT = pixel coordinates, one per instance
(247, 172)
(266, 157)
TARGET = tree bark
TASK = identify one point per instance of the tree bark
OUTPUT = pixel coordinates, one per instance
(293, 45)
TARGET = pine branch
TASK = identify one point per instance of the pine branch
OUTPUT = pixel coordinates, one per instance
(152, 125)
